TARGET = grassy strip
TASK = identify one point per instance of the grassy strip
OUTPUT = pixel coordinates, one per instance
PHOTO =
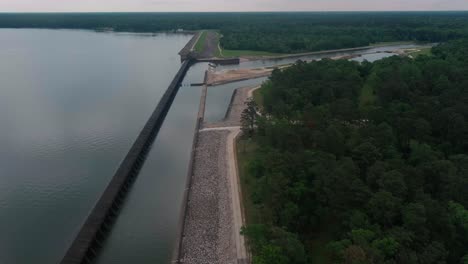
(423, 51)
(201, 42)
(258, 97)
(391, 43)
(254, 53)
(219, 52)
(244, 53)
(246, 152)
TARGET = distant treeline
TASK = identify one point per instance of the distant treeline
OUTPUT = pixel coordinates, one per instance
(274, 32)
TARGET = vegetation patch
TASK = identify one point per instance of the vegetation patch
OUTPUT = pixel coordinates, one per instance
(258, 97)
(201, 42)
(335, 182)
(389, 43)
(423, 51)
(367, 96)
(247, 53)
(245, 152)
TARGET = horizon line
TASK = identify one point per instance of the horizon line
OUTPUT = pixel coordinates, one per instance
(195, 12)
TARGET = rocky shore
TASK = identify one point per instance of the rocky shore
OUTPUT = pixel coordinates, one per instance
(208, 225)
(213, 215)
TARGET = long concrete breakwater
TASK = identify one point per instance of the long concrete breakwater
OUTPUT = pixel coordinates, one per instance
(91, 235)
(186, 52)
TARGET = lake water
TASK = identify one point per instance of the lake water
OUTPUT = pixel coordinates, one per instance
(146, 229)
(219, 97)
(71, 105)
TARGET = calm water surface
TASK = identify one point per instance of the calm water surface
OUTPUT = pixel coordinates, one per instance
(71, 105)
(219, 97)
(146, 229)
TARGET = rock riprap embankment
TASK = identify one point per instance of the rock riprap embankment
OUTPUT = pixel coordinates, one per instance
(209, 234)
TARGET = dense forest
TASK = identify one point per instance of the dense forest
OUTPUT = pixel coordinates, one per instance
(273, 32)
(374, 155)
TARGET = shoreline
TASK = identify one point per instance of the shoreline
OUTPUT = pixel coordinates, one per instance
(303, 54)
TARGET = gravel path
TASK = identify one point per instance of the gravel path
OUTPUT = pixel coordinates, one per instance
(215, 78)
(210, 46)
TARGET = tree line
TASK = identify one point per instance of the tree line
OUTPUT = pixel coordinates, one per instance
(383, 173)
(273, 32)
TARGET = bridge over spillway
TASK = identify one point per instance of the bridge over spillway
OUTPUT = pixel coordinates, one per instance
(96, 227)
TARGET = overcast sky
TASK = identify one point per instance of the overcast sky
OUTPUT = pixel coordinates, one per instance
(226, 5)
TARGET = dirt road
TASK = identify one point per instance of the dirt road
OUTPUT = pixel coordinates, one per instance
(228, 76)
(236, 195)
(210, 46)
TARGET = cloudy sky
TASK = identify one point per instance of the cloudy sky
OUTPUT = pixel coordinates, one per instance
(226, 5)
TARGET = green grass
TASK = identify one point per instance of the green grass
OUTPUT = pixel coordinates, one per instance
(223, 53)
(424, 51)
(245, 152)
(391, 43)
(247, 53)
(218, 53)
(253, 53)
(258, 97)
(201, 42)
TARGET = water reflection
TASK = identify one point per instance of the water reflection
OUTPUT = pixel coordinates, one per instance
(71, 105)
(146, 229)
(219, 97)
